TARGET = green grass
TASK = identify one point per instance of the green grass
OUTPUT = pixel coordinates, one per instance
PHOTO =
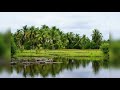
(67, 53)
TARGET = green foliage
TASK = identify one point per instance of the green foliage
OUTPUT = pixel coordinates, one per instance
(85, 42)
(115, 49)
(105, 48)
(5, 46)
(97, 38)
(13, 47)
(92, 45)
(2, 46)
(29, 38)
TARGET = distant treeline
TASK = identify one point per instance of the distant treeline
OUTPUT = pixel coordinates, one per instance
(53, 38)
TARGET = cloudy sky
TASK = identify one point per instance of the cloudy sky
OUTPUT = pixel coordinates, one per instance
(77, 22)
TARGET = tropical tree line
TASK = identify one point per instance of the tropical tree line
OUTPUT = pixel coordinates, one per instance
(53, 38)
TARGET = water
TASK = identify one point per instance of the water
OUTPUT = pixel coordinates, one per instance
(67, 69)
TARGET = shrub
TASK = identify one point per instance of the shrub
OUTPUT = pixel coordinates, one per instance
(105, 48)
(13, 47)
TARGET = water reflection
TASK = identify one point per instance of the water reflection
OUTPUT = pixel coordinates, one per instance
(46, 70)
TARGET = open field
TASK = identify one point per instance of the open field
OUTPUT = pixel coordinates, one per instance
(66, 53)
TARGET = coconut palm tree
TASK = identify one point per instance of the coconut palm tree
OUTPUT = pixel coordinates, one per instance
(97, 38)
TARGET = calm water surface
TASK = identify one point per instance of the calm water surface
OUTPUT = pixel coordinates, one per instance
(67, 69)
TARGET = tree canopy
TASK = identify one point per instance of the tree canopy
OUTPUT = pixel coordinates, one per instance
(53, 38)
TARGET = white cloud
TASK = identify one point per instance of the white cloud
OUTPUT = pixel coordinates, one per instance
(77, 22)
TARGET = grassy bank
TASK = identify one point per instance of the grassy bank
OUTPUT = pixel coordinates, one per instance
(67, 53)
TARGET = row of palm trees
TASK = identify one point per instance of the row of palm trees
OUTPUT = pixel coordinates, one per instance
(53, 38)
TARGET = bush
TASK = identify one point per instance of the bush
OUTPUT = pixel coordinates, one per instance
(105, 48)
(13, 47)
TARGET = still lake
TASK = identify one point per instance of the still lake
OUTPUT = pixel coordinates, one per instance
(67, 69)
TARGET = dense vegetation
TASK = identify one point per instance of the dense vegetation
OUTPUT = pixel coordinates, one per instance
(53, 38)
(105, 48)
(13, 46)
(5, 46)
(35, 38)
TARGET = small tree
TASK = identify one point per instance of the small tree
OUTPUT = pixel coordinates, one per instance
(105, 48)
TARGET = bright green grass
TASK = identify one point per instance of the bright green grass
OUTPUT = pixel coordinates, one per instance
(70, 53)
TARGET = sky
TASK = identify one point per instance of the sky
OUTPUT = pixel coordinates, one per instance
(77, 22)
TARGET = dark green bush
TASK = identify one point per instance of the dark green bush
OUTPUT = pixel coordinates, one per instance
(13, 47)
(105, 48)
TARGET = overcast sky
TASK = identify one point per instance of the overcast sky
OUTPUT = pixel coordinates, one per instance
(77, 22)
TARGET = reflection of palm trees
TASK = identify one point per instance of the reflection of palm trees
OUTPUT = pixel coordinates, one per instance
(84, 64)
(47, 69)
(24, 72)
(106, 63)
(11, 69)
(54, 69)
(96, 66)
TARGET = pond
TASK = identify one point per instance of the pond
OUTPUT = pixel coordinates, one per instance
(68, 69)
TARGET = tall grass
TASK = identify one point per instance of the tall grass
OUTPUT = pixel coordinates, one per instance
(71, 53)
